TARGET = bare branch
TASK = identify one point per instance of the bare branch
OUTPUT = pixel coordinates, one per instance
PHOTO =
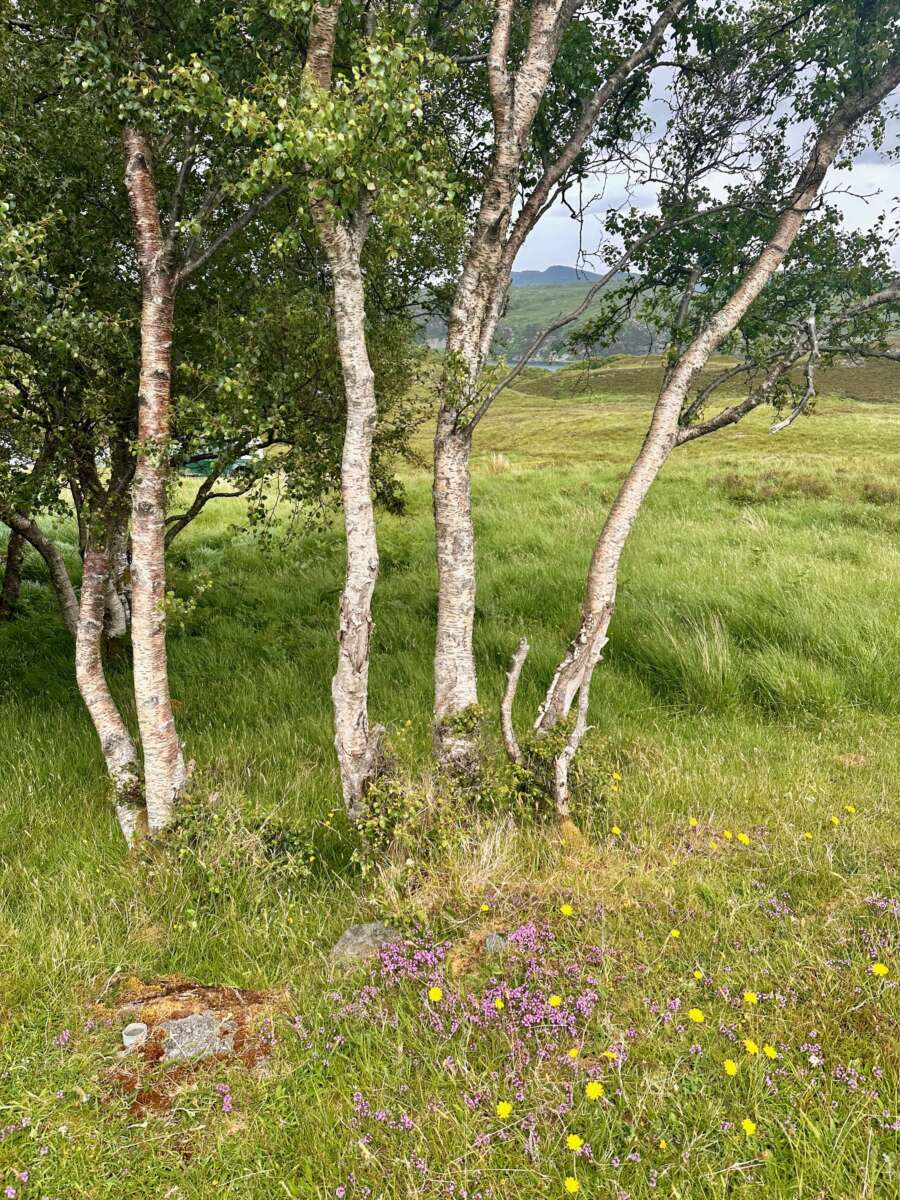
(242, 221)
(810, 389)
(506, 718)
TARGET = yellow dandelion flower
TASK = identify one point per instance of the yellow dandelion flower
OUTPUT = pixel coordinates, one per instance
(663, 1144)
(675, 933)
(574, 1142)
(750, 1046)
(769, 1051)
(748, 1126)
(731, 1067)
(617, 776)
(504, 1108)
(693, 822)
(616, 831)
(751, 998)
(808, 836)
(594, 1089)
(485, 908)
(698, 974)
(835, 820)
(743, 839)
(566, 909)
(554, 1001)
(879, 969)
(498, 1004)
(727, 834)
(572, 1052)
(435, 994)
(571, 1184)
(695, 1015)
(850, 809)
(713, 844)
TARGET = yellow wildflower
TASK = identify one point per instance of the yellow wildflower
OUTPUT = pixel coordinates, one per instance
(713, 845)
(435, 994)
(610, 1054)
(751, 998)
(498, 1004)
(743, 839)
(554, 1001)
(727, 834)
(663, 1144)
(617, 776)
(594, 1089)
(571, 1185)
(485, 908)
(769, 1051)
(850, 809)
(504, 1108)
(693, 822)
(695, 1015)
(698, 974)
(808, 836)
(572, 1052)
(731, 1067)
(616, 831)
(879, 969)
(675, 933)
(566, 909)
(835, 820)
(750, 1046)
(574, 1142)
(748, 1126)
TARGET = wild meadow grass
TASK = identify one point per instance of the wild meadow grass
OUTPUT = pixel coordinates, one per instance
(737, 795)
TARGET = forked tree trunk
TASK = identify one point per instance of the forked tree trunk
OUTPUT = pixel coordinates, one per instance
(573, 675)
(515, 95)
(116, 744)
(12, 575)
(165, 773)
(55, 563)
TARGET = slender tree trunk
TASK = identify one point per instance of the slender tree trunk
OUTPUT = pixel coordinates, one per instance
(165, 773)
(56, 567)
(118, 605)
(12, 576)
(573, 675)
(116, 744)
(356, 743)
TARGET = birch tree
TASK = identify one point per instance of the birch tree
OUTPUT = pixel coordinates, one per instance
(845, 97)
(523, 178)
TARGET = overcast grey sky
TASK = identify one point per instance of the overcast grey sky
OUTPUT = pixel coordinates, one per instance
(558, 238)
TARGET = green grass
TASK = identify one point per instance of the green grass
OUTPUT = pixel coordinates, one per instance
(750, 685)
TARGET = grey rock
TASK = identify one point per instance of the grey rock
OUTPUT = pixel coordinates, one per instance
(198, 1036)
(362, 943)
(495, 944)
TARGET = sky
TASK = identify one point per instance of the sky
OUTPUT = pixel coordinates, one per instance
(863, 193)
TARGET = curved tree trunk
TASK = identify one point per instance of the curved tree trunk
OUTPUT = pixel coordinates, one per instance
(116, 744)
(56, 566)
(573, 675)
(12, 576)
(165, 773)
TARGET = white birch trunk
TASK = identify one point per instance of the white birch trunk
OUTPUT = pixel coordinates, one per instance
(165, 773)
(116, 744)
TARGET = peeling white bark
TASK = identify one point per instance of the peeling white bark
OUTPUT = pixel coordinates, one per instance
(165, 772)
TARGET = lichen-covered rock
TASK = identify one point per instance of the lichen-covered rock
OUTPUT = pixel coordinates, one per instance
(362, 943)
(199, 1035)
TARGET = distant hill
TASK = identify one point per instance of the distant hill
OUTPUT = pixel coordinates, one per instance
(536, 299)
(553, 275)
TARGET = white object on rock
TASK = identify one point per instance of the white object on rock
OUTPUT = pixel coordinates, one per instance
(134, 1034)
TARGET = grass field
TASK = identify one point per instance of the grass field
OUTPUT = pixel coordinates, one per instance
(688, 999)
